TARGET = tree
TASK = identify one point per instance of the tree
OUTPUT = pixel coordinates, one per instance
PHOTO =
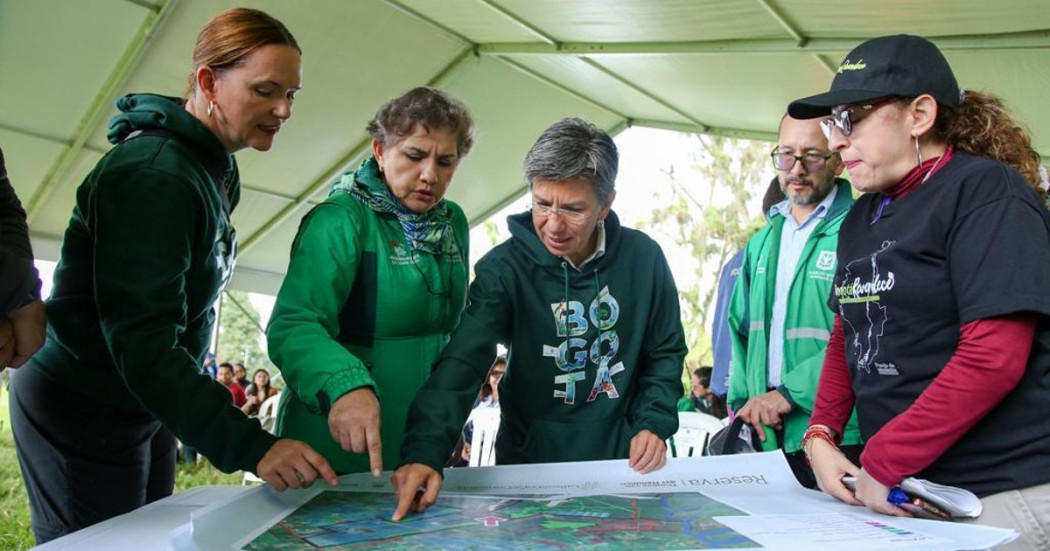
(240, 333)
(708, 215)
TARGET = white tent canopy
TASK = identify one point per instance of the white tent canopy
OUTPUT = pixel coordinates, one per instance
(725, 67)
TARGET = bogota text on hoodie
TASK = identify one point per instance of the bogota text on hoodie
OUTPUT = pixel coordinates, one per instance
(594, 355)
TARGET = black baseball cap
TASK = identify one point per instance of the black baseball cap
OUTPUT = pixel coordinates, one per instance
(901, 65)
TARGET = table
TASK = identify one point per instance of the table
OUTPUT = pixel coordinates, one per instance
(148, 527)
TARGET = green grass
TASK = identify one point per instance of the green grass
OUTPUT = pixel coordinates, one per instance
(14, 507)
(203, 474)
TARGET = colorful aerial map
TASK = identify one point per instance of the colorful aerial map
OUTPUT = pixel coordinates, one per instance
(335, 520)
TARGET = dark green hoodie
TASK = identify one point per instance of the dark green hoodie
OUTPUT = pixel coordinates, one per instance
(576, 388)
(148, 249)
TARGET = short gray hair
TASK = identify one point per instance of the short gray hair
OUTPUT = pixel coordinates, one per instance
(574, 148)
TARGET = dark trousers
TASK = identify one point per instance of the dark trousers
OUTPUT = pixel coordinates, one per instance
(84, 461)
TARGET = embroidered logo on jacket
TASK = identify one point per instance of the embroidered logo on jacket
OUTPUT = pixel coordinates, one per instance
(572, 322)
(826, 260)
(401, 257)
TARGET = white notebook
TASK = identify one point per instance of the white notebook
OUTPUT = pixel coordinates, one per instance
(957, 502)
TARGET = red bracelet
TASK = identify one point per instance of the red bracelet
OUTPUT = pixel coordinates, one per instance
(819, 432)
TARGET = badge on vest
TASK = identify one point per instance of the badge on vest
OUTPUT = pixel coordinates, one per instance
(826, 260)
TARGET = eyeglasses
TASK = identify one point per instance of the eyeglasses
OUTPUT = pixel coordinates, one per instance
(811, 162)
(844, 118)
(567, 215)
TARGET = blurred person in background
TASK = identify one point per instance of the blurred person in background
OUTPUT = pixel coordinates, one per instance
(257, 392)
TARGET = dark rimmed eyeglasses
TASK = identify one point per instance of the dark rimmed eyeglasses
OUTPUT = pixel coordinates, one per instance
(811, 162)
(844, 118)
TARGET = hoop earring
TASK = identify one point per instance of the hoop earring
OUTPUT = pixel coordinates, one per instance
(918, 152)
(211, 107)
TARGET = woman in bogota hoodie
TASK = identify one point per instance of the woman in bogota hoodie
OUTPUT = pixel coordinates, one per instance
(589, 314)
(148, 250)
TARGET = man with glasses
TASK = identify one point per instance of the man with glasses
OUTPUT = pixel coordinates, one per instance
(779, 319)
(588, 311)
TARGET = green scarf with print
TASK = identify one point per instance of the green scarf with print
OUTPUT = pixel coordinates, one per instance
(429, 232)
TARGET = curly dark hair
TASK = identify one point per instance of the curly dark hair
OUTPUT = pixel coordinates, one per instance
(428, 107)
(982, 126)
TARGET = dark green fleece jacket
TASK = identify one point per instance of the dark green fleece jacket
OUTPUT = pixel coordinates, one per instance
(148, 249)
(19, 281)
(594, 355)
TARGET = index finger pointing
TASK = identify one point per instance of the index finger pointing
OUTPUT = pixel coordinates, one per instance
(375, 453)
(320, 464)
(406, 489)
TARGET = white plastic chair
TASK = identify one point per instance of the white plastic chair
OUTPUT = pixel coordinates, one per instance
(267, 417)
(483, 441)
(694, 430)
(268, 412)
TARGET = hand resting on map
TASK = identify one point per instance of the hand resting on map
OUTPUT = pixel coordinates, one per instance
(648, 452)
(416, 487)
(294, 464)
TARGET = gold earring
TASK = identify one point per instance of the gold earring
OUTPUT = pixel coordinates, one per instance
(211, 107)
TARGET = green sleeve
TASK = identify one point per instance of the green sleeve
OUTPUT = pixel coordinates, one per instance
(660, 380)
(685, 403)
(801, 381)
(439, 410)
(141, 256)
(739, 327)
(303, 328)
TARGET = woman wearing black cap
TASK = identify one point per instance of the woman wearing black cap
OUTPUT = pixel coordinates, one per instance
(942, 339)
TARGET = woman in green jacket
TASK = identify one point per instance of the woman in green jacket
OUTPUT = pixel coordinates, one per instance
(376, 282)
(148, 250)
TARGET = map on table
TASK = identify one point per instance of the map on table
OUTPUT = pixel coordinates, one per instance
(335, 520)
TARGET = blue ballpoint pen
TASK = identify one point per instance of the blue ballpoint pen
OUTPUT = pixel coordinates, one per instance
(897, 496)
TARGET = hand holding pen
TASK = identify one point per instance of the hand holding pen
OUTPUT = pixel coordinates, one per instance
(917, 506)
(876, 496)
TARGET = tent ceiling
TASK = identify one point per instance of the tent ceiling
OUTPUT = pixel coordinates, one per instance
(711, 66)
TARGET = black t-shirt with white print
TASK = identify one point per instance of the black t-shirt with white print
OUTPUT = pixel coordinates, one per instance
(973, 242)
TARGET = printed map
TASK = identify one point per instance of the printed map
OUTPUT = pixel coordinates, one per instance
(335, 520)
